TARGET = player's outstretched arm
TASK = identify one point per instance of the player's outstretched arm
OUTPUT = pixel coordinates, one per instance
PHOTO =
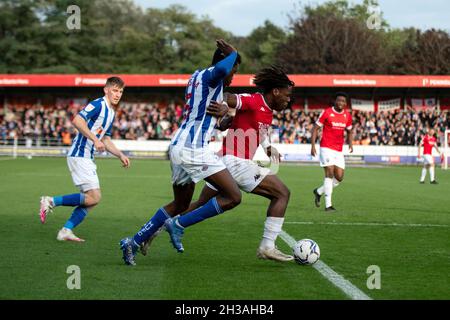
(111, 148)
(82, 127)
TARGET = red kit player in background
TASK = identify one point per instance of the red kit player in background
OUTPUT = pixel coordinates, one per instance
(334, 121)
(428, 142)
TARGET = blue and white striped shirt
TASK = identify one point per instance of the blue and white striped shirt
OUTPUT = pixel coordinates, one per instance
(99, 119)
(205, 85)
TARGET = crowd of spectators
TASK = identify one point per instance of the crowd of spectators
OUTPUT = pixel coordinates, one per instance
(146, 121)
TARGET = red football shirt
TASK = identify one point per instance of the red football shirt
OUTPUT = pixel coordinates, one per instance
(334, 125)
(428, 143)
(249, 127)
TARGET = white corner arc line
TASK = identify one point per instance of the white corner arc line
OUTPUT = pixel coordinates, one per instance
(336, 279)
(371, 224)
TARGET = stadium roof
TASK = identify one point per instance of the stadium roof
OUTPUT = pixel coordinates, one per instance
(242, 80)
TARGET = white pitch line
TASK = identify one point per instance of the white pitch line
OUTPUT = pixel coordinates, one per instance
(370, 224)
(335, 278)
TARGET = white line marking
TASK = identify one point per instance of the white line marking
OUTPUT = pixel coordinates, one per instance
(370, 224)
(339, 281)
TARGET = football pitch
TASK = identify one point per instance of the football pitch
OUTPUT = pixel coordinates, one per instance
(385, 218)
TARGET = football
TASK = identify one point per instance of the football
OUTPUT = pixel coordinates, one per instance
(306, 251)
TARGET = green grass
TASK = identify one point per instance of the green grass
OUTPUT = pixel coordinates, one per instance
(220, 258)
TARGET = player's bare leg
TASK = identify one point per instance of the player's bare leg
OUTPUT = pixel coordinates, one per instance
(229, 194)
(206, 195)
(182, 195)
(272, 188)
(92, 197)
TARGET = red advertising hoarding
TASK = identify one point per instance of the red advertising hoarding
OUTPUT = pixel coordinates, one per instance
(242, 80)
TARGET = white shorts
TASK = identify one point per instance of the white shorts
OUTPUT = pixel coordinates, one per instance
(329, 157)
(247, 174)
(428, 159)
(84, 173)
(192, 165)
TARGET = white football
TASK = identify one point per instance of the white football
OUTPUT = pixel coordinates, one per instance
(306, 251)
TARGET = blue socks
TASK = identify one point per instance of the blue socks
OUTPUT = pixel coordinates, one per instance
(210, 209)
(77, 216)
(156, 222)
(69, 200)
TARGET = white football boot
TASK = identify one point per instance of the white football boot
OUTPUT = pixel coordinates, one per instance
(46, 207)
(273, 254)
(67, 235)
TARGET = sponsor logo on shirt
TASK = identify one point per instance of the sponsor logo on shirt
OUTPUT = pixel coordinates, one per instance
(100, 130)
(338, 124)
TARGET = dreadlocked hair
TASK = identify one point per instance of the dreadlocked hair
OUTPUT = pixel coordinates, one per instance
(271, 78)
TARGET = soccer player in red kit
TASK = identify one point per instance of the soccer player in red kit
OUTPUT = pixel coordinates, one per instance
(334, 121)
(428, 142)
(250, 117)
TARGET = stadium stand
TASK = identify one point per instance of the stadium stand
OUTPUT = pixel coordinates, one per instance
(51, 126)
